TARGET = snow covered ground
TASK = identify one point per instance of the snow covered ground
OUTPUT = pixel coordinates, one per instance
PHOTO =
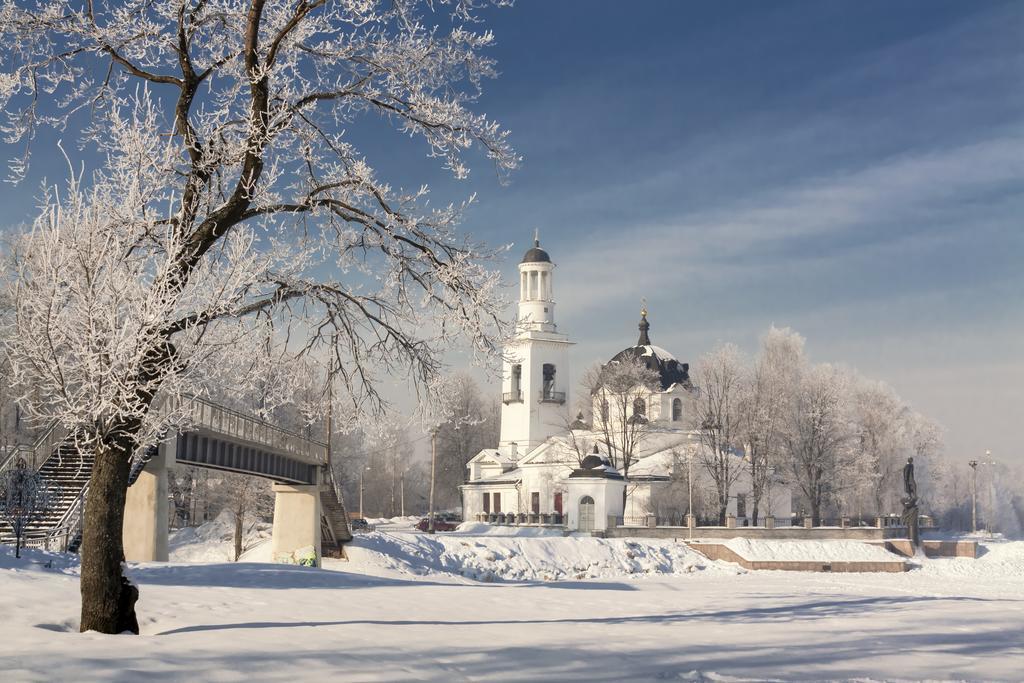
(409, 607)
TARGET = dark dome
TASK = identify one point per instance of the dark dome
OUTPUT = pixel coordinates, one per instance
(536, 254)
(655, 358)
(593, 461)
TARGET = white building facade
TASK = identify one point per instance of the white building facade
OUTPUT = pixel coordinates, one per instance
(545, 468)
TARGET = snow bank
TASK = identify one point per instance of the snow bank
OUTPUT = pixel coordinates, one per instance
(484, 529)
(521, 556)
(214, 541)
(407, 521)
(996, 560)
(809, 551)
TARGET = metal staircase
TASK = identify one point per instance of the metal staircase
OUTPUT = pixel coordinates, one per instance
(334, 527)
(67, 473)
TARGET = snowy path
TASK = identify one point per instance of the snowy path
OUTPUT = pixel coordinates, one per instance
(257, 622)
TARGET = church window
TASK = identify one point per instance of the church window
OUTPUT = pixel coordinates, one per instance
(677, 410)
(741, 505)
(639, 407)
(487, 502)
(604, 410)
(497, 502)
(549, 380)
(535, 502)
(517, 378)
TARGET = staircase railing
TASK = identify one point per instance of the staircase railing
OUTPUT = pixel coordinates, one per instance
(333, 483)
(35, 454)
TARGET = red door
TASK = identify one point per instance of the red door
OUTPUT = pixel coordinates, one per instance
(558, 503)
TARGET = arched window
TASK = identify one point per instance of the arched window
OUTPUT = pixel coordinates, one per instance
(677, 410)
(604, 410)
(639, 407)
(549, 380)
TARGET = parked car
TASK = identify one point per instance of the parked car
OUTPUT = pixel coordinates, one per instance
(442, 522)
(359, 524)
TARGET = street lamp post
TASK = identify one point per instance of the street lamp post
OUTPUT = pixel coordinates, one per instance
(974, 489)
(974, 496)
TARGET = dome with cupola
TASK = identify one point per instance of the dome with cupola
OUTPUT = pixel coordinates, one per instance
(669, 369)
(536, 254)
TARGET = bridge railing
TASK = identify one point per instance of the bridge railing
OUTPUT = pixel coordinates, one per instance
(208, 415)
(203, 414)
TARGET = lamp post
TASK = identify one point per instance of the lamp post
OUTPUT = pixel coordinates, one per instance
(974, 489)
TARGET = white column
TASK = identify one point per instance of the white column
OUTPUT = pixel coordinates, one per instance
(523, 285)
(144, 533)
(296, 533)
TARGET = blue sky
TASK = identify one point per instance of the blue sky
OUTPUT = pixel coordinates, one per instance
(854, 170)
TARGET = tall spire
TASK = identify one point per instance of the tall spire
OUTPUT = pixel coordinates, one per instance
(536, 237)
(644, 326)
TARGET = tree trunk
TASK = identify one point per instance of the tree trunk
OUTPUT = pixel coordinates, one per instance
(107, 606)
(753, 512)
(239, 516)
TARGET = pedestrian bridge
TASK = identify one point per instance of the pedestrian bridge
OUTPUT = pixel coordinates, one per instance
(309, 511)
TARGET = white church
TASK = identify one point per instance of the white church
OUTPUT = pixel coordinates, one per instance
(551, 468)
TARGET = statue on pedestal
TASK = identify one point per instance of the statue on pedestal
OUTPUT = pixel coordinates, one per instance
(911, 513)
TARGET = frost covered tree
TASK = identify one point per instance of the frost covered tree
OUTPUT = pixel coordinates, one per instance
(817, 434)
(766, 392)
(459, 440)
(233, 199)
(249, 499)
(621, 391)
(715, 413)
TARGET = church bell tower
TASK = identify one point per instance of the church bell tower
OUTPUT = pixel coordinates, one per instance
(535, 381)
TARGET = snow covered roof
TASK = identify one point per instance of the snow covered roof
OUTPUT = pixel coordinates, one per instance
(490, 455)
(510, 477)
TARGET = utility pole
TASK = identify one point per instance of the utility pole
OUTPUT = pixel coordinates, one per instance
(361, 515)
(402, 480)
(433, 467)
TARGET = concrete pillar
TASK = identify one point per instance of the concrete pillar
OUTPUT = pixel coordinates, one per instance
(769, 522)
(652, 522)
(808, 522)
(691, 521)
(296, 535)
(145, 510)
(730, 521)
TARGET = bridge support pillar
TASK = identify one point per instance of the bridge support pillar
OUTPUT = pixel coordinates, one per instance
(145, 510)
(296, 535)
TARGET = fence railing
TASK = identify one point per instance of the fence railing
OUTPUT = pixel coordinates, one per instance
(512, 397)
(552, 396)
